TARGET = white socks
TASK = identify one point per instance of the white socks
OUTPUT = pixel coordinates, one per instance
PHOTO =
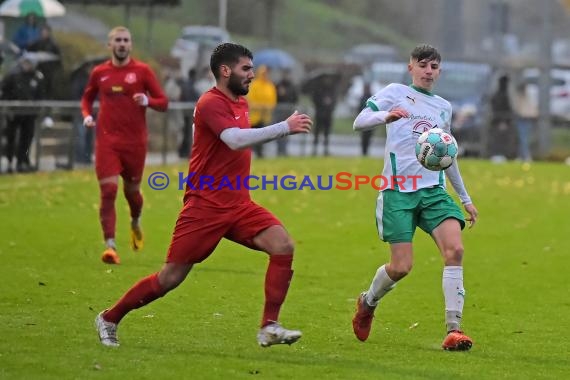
(453, 292)
(381, 284)
(110, 243)
(454, 295)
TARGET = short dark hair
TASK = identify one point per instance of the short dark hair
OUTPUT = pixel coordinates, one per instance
(227, 54)
(425, 51)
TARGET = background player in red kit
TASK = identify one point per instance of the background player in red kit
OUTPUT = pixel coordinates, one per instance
(222, 209)
(125, 88)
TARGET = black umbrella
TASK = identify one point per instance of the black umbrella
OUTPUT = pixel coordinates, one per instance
(319, 77)
(88, 62)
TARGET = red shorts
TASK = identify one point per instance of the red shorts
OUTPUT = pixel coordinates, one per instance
(128, 162)
(200, 227)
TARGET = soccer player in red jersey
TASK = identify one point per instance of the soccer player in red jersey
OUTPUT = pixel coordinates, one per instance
(126, 87)
(216, 203)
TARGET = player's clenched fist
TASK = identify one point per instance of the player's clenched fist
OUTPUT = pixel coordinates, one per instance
(299, 123)
(141, 99)
(396, 114)
(89, 122)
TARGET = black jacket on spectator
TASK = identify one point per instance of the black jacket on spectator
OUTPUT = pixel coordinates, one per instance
(25, 83)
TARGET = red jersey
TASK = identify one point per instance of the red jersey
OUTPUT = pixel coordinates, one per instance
(121, 121)
(218, 173)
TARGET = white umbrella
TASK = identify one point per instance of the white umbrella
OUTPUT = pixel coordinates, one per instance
(42, 8)
(40, 56)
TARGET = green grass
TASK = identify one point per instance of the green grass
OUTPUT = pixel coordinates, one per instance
(517, 307)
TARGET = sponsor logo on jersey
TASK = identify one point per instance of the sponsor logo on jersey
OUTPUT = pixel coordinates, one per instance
(131, 78)
(117, 88)
(421, 126)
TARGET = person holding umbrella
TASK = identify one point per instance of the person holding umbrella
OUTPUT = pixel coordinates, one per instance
(45, 43)
(28, 33)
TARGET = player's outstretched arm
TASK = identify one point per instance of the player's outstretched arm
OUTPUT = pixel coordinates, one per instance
(299, 123)
(237, 138)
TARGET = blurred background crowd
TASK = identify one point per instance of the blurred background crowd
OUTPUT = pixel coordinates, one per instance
(506, 71)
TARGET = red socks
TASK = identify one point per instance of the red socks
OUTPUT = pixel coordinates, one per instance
(107, 214)
(277, 280)
(135, 200)
(142, 293)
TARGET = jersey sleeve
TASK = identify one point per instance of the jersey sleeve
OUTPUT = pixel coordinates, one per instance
(216, 115)
(90, 93)
(447, 117)
(157, 100)
(383, 100)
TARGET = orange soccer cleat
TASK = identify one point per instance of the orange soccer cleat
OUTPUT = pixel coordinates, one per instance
(110, 256)
(362, 320)
(457, 341)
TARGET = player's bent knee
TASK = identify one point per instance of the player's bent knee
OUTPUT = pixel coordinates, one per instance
(284, 246)
(454, 255)
(171, 277)
(275, 241)
(170, 281)
(288, 247)
(399, 270)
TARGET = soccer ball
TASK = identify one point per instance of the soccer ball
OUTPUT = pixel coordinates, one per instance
(436, 150)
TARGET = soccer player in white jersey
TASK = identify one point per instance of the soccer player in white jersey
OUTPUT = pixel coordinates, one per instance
(419, 201)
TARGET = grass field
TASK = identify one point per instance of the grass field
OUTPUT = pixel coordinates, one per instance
(517, 307)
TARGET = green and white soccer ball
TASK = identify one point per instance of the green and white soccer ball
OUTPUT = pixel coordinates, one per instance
(436, 150)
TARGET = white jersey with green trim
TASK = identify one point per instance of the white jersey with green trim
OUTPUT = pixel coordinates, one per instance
(426, 111)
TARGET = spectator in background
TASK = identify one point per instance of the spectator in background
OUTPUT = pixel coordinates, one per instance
(50, 68)
(205, 81)
(526, 113)
(188, 93)
(324, 96)
(262, 99)
(366, 135)
(25, 83)
(28, 33)
(83, 137)
(502, 142)
(287, 98)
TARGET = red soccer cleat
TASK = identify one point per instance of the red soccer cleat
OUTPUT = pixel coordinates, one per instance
(110, 256)
(457, 341)
(362, 320)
